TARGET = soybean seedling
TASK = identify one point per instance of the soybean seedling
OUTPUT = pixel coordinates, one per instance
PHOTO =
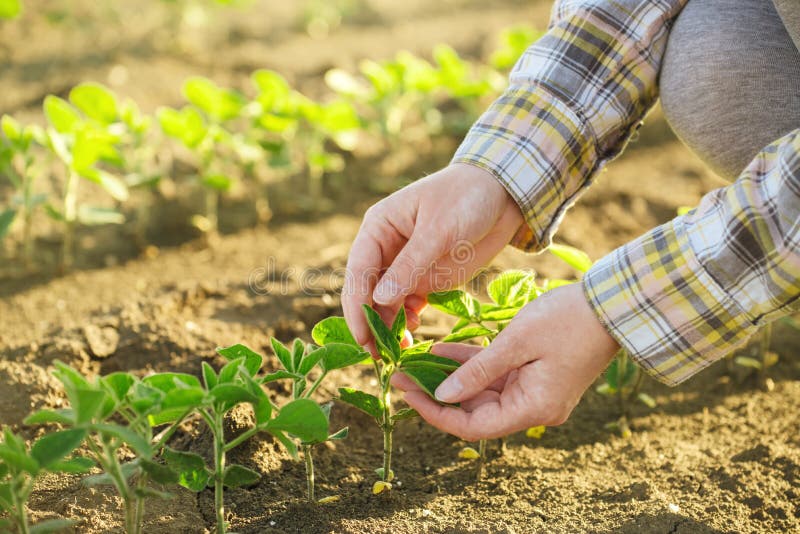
(299, 362)
(236, 384)
(202, 128)
(510, 291)
(425, 369)
(511, 45)
(17, 163)
(81, 144)
(21, 466)
(116, 414)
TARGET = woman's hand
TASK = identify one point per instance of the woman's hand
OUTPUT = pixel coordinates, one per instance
(432, 235)
(533, 373)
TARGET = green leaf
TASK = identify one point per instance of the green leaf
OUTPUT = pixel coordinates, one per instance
(139, 444)
(456, 302)
(298, 351)
(339, 356)
(95, 101)
(262, 408)
(61, 116)
(218, 182)
(613, 373)
(218, 103)
(113, 185)
(94, 216)
(230, 370)
(341, 434)
(236, 476)
(10, 9)
(183, 399)
(647, 400)
(52, 525)
(426, 359)
(367, 403)
(399, 324)
(491, 312)
(18, 459)
(191, 468)
(310, 360)
(427, 378)
(512, 288)
(88, 404)
(64, 417)
(405, 413)
(385, 340)
(6, 220)
(469, 333)
(160, 473)
(418, 348)
(304, 419)
(118, 384)
(572, 256)
(746, 361)
(283, 354)
(186, 125)
(78, 465)
(10, 126)
(333, 330)
(229, 395)
(51, 448)
(209, 376)
(166, 382)
(252, 359)
(288, 444)
(280, 375)
(104, 479)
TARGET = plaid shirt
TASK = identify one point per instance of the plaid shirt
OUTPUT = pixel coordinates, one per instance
(692, 290)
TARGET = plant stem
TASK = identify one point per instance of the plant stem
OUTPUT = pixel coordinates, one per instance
(19, 509)
(315, 385)
(70, 218)
(622, 369)
(388, 428)
(212, 210)
(219, 473)
(27, 226)
(481, 458)
(309, 471)
(141, 484)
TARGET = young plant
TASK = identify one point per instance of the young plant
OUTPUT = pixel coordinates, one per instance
(300, 361)
(236, 384)
(425, 369)
(82, 144)
(204, 128)
(17, 163)
(21, 466)
(115, 415)
(512, 44)
(509, 292)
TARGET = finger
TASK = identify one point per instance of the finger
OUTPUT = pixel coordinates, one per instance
(363, 269)
(460, 352)
(416, 303)
(412, 319)
(507, 352)
(424, 247)
(489, 420)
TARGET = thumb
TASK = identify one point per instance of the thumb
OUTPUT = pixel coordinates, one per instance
(506, 353)
(413, 261)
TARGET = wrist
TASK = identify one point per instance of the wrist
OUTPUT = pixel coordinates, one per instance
(493, 187)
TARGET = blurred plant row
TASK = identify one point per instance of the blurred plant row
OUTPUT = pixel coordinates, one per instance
(230, 138)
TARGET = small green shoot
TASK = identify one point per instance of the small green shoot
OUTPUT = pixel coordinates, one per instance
(425, 369)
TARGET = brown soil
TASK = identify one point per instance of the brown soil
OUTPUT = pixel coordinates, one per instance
(717, 454)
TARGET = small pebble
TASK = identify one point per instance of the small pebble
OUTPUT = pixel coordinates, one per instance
(674, 508)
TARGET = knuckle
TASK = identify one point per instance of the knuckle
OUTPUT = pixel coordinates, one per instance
(479, 372)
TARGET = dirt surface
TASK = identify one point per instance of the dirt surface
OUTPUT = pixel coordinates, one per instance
(717, 454)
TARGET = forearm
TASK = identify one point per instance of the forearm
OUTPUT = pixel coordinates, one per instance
(691, 291)
(574, 99)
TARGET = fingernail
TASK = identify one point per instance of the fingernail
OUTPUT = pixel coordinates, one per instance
(449, 389)
(385, 293)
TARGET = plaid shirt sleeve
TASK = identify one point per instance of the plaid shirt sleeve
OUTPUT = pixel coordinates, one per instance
(574, 99)
(685, 293)
(692, 290)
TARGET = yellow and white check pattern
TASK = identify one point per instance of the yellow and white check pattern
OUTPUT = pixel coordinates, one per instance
(690, 291)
